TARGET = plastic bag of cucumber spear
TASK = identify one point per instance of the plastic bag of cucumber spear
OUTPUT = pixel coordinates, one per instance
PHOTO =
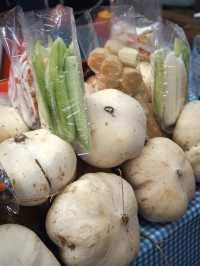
(53, 49)
(170, 64)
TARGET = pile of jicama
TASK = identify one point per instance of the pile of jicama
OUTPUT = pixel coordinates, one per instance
(94, 165)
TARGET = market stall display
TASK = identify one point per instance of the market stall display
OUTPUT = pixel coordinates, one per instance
(85, 158)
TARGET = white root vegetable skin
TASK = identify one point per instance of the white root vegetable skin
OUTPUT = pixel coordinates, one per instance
(193, 156)
(85, 221)
(118, 128)
(41, 164)
(162, 179)
(21, 246)
(11, 124)
(187, 134)
(187, 130)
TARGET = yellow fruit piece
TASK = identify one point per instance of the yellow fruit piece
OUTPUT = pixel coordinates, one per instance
(131, 81)
(96, 58)
(111, 67)
(128, 56)
(113, 46)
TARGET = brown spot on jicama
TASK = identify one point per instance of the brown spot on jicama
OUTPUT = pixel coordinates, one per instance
(179, 173)
(66, 242)
(20, 138)
(44, 188)
(125, 219)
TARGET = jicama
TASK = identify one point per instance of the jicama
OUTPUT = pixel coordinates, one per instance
(94, 222)
(39, 165)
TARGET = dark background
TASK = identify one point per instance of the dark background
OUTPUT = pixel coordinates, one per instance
(27, 5)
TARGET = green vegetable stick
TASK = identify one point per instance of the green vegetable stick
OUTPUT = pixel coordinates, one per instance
(159, 83)
(63, 112)
(38, 61)
(181, 49)
(75, 89)
(52, 80)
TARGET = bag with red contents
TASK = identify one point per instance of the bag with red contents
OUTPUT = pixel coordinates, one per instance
(21, 82)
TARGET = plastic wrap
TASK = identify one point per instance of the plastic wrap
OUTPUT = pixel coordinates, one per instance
(170, 64)
(52, 45)
(21, 83)
(115, 59)
(145, 20)
(8, 201)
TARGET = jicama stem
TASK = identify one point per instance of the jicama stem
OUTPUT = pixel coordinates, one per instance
(38, 61)
(75, 90)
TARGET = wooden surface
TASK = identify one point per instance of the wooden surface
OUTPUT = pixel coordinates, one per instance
(184, 18)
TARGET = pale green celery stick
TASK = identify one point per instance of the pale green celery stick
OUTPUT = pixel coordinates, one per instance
(75, 87)
(159, 83)
(52, 79)
(63, 113)
(38, 61)
(181, 49)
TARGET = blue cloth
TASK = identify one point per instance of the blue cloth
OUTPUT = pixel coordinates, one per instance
(179, 241)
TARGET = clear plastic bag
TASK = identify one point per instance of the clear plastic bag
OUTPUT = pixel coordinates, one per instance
(8, 200)
(21, 83)
(170, 64)
(53, 50)
(145, 20)
(114, 62)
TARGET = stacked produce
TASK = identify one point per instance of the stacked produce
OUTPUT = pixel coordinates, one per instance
(124, 165)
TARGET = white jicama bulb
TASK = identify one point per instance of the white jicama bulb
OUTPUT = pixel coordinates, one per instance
(94, 222)
(187, 130)
(21, 246)
(162, 179)
(11, 124)
(118, 128)
(187, 134)
(39, 164)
